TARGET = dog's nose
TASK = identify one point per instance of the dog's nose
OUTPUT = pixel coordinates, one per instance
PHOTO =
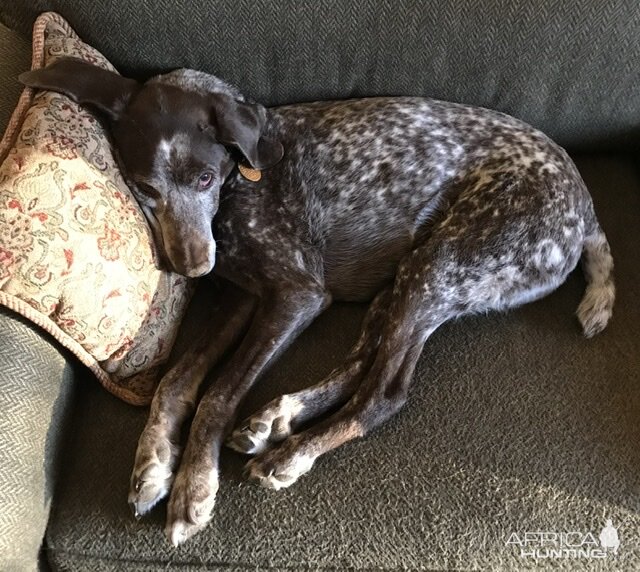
(195, 259)
(202, 264)
(199, 270)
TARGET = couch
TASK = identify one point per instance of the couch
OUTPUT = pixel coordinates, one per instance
(515, 424)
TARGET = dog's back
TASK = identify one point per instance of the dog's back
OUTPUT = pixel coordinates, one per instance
(366, 179)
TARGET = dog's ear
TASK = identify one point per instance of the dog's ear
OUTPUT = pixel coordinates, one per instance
(240, 125)
(86, 84)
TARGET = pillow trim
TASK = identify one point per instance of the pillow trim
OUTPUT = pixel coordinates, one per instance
(12, 302)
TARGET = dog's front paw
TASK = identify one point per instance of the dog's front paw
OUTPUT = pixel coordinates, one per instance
(280, 468)
(153, 471)
(273, 423)
(190, 506)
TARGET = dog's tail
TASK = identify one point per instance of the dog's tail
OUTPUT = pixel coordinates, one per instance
(596, 306)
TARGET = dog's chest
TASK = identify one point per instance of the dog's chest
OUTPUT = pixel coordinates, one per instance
(348, 230)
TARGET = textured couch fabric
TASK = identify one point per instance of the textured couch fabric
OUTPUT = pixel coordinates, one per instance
(35, 402)
(515, 423)
(15, 57)
(569, 68)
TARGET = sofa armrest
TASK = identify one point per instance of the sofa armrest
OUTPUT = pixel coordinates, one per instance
(36, 398)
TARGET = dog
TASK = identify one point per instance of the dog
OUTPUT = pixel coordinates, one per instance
(429, 210)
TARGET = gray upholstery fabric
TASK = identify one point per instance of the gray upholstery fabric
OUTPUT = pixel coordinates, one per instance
(515, 423)
(35, 401)
(570, 68)
(15, 57)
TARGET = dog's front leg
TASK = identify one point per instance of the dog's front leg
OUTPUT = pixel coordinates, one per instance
(174, 401)
(278, 319)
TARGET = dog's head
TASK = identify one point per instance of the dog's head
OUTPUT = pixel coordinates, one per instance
(177, 141)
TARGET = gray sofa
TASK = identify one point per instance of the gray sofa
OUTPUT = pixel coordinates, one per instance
(515, 423)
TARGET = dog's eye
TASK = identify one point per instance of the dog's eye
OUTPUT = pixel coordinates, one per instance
(205, 180)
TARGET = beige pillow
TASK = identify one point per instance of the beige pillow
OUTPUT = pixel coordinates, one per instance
(76, 254)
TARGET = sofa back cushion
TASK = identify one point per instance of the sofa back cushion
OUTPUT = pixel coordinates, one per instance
(569, 68)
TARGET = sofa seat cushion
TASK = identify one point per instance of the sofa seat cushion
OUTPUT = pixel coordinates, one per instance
(515, 424)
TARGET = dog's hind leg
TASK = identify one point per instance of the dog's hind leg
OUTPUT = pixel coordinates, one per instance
(380, 393)
(285, 414)
(174, 401)
(470, 264)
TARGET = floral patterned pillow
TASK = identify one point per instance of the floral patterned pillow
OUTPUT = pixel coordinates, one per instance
(76, 254)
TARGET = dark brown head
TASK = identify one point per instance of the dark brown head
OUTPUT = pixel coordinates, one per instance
(176, 142)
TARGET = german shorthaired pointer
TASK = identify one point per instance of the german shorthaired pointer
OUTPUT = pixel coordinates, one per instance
(431, 210)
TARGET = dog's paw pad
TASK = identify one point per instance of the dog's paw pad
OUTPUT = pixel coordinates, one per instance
(190, 507)
(152, 474)
(270, 425)
(251, 438)
(278, 469)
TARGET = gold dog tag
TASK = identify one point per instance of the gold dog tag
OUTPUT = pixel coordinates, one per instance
(249, 173)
